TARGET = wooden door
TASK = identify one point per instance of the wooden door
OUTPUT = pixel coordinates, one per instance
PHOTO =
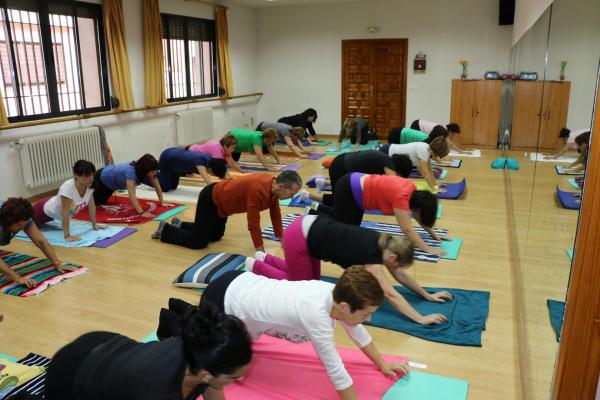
(487, 113)
(374, 82)
(555, 109)
(462, 109)
(526, 114)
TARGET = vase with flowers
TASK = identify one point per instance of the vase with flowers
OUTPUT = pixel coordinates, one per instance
(465, 65)
(563, 65)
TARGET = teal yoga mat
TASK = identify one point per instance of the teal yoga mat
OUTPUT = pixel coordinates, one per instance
(451, 247)
(347, 147)
(574, 183)
(438, 215)
(420, 386)
(570, 254)
(150, 338)
(285, 202)
(7, 357)
(170, 213)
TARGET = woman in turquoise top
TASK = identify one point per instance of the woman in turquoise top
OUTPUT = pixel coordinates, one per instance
(255, 142)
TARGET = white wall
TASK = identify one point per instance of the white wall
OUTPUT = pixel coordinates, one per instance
(133, 134)
(299, 52)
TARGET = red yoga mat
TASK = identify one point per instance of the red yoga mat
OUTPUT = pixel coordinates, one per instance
(281, 370)
(119, 210)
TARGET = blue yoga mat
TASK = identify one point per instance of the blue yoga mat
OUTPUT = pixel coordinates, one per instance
(466, 313)
(420, 386)
(453, 190)
(569, 200)
(557, 312)
(54, 234)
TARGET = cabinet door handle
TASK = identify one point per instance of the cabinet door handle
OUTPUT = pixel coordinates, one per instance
(548, 116)
(473, 111)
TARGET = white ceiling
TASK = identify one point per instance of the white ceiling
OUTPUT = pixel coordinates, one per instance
(265, 3)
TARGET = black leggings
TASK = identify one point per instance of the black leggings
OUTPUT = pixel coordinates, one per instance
(101, 192)
(337, 169)
(64, 364)
(394, 135)
(168, 180)
(207, 226)
(415, 125)
(215, 292)
(344, 207)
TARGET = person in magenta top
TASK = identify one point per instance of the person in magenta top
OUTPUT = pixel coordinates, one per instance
(219, 149)
(393, 195)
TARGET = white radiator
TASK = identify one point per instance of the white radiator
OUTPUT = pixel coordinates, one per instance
(49, 159)
(194, 126)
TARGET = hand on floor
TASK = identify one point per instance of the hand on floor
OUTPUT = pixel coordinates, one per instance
(395, 369)
(26, 282)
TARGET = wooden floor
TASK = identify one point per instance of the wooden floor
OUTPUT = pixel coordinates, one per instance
(130, 281)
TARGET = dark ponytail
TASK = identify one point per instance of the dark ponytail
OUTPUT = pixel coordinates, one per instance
(146, 164)
(214, 341)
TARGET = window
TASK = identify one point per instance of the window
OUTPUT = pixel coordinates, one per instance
(52, 59)
(189, 54)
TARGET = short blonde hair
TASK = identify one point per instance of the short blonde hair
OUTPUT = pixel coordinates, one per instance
(270, 133)
(401, 246)
(439, 147)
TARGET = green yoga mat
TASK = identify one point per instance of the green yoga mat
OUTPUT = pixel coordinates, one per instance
(443, 174)
(418, 385)
(574, 183)
(7, 357)
(439, 211)
(570, 254)
(451, 248)
(170, 213)
(150, 338)
(285, 202)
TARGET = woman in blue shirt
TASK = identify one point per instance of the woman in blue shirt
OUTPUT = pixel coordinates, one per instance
(127, 176)
(175, 162)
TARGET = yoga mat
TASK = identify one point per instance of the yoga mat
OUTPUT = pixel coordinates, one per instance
(250, 166)
(557, 312)
(562, 159)
(296, 202)
(450, 164)
(168, 214)
(453, 190)
(574, 183)
(561, 171)
(119, 210)
(52, 231)
(7, 357)
(104, 243)
(473, 154)
(347, 147)
(183, 193)
(569, 200)
(281, 370)
(438, 173)
(294, 156)
(451, 247)
(285, 202)
(570, 254)
(150, 338)
(312, 179)
(40, 270)
(421, 386)
(316, 156)
(34, 387)
(466, 312)
(307, 143)
(208, 268)
(392, 229)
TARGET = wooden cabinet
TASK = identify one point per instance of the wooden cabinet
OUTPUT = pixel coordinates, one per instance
(539, 112)
(476, 108)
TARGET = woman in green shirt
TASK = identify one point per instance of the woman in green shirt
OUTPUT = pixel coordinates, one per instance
(255, 142)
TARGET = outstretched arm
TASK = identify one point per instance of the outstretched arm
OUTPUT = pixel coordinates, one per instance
(403, 219)
(261, 157)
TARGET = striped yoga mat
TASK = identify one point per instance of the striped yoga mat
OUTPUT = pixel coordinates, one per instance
(40, 270)
(381, 227)
(34, 387)
(209, 268)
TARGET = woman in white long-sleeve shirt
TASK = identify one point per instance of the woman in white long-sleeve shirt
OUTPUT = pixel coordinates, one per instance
(301, 311)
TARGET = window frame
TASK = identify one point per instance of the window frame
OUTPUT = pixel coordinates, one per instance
(214, 73)
(49, 62)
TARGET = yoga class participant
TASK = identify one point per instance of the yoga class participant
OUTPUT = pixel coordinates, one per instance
(127, 176)
(367, 162)
(292, 136)
(567, 139)
(16, 214)
(311, 238)
(305, 120)
(73, 196)
(393, 195)
(255, 142)
(420, 154)
(452, 128)
(357, 129)
(250, 194)
(301, 311)
(211, 351)
(219, 149)
(583, 143)
(408, 135)
(175, 162)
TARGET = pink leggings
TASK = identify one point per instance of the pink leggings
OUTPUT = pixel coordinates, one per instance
(298, 264)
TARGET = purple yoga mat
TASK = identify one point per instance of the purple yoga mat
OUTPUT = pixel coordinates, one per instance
(315, 156)
(104, 243)
(291, 167)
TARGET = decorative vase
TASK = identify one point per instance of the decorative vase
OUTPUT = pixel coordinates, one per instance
(562, 77)
(463, 75)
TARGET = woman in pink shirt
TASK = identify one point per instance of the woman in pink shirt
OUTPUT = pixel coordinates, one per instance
(219, 149)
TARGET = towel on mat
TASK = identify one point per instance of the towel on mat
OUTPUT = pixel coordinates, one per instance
(281, 370)
(52, 231)
(466, 313)
(34, 387)
(13, 375)
(392, 229)
(557, 312)
(119, 210)
(40, 270)
(569, 200)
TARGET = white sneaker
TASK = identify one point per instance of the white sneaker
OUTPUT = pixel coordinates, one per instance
(249, 264)
(304, 195)
(260, 255)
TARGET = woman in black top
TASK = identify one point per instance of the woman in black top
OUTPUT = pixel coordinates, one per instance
(212, 351)
(305, 120)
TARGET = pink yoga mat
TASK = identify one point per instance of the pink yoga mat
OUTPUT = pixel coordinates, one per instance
(281, 370)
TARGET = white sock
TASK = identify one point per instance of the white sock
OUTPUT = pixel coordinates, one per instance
(260, 255)
(249, 264)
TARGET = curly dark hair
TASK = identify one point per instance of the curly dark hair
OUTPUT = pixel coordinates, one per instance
(15, 209)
